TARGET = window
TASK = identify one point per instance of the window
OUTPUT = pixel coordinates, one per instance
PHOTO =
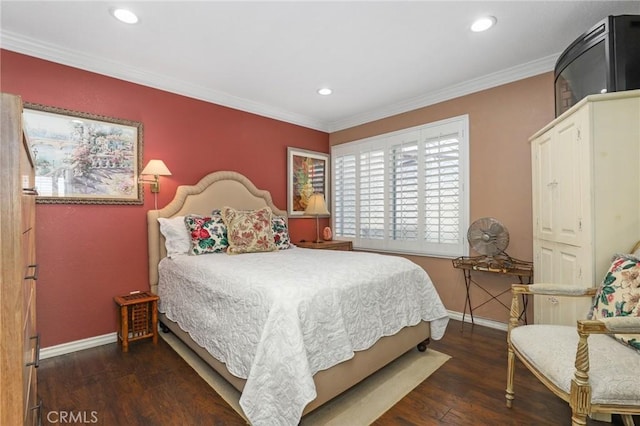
(405, 191)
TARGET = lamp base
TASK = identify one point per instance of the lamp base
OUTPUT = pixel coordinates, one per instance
(318, 240)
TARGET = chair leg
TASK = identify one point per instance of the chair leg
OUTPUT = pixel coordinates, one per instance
(627, 420)
(510, 372)
(580, 393)
(578, 419)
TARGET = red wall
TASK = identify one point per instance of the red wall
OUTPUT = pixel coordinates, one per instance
(90, 253)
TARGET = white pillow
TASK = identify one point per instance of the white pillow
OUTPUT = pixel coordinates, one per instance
(176, 236)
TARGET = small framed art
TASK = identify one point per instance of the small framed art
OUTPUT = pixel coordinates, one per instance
(307, 173)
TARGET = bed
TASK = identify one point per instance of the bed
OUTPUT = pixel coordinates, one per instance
(294, 359)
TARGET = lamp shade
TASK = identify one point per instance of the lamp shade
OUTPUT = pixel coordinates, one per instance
(316, 205)
(156, 167)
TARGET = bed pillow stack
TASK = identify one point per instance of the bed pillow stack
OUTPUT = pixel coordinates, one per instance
(195, 234)
(279, 226)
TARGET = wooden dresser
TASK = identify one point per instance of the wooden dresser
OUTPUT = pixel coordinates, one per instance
(19, 342)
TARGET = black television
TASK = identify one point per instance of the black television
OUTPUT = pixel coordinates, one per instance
(604, 59)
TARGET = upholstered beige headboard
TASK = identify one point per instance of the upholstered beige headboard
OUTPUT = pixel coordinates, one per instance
(215, 190)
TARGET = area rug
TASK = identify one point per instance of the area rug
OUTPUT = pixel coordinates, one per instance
(360, 405)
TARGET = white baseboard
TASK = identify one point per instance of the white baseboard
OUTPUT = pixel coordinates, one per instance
(92, 342)
(78, 345)
(478, 320)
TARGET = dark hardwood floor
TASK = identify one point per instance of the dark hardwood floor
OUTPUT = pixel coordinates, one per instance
(152, 385)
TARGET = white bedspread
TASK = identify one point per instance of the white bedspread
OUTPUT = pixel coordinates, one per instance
(277, 318)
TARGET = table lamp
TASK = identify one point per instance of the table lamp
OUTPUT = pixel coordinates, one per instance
(317, 207)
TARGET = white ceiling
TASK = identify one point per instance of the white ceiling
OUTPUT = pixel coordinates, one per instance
(269, 58)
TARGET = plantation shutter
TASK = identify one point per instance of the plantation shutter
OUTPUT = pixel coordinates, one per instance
(371, 195)
(442, 189)
(404, 191)
(344, 195)
(403, 188)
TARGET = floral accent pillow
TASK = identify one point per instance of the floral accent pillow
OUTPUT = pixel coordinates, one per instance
(280, 233)
(208, 234)
(619, 294)
(281, 237)
(249, 231)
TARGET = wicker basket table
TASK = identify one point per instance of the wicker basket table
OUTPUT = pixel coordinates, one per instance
(138, 318)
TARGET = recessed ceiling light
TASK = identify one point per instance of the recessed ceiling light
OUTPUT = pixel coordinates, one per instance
(126, 16)
(325, 91)
(483, 24)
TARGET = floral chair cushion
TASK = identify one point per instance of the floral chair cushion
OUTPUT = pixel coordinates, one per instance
(619, 294)
(249, 231)
(208, 234)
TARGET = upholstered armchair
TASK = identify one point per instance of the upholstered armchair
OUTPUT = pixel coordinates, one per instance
(594, 366)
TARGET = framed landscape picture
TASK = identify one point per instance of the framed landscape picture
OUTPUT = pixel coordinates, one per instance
(84, 158)
(307, 173)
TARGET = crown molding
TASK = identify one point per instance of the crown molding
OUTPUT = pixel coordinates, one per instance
(55, 53)
(488, 81)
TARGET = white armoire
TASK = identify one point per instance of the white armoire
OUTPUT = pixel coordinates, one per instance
(586, 197)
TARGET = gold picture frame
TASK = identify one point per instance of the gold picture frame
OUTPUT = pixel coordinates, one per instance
(83, 158)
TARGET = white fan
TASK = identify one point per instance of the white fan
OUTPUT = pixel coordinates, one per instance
(488, 236)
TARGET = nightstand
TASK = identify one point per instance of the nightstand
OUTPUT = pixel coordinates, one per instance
(138, 318)
(327, 245)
